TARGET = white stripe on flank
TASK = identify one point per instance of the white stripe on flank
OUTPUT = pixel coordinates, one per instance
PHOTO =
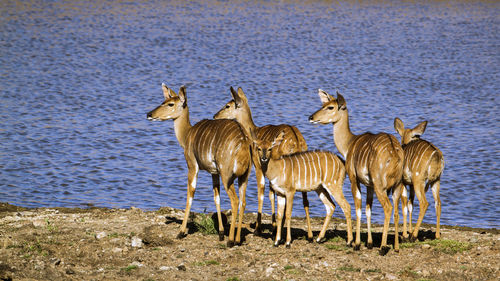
(313, 163)
(310, 166)
(422, 154)
(298, 176)
(324, 167)
(334, 167)
(320, 168)
(304, 168)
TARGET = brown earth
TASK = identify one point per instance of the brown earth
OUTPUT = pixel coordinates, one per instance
(131, 244)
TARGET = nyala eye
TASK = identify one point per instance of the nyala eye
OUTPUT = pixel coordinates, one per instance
(170, 104)
(227, 106)
(330, 108)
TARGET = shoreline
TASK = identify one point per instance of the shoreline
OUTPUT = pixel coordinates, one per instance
(132, 244)
(7, 207)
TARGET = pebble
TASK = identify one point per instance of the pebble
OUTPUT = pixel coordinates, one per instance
(181, 267)
(389, 276)
(39, 223)
(426, 246)
(117, 250)
(138, 264)
(165, 268)
(100, 235)
(55, 261)
(269, 271)
(136, 242)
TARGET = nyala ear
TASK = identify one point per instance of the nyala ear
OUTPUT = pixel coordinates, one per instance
(324, 96)
(239, 97)
(182, 96)
(235, 96)
(341, 101)
(419, 129)
(399, 126)
(167, 92)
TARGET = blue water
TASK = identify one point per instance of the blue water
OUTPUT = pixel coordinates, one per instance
(77, 79)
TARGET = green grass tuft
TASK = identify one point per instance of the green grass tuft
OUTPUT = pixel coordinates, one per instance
(441, 245)
(450, 246)
(129, 268)
(205, 225)
(349, 269)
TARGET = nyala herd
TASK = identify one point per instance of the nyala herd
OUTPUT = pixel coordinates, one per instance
(231, 143)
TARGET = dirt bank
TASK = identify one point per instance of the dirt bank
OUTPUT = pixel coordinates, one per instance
(131, 244)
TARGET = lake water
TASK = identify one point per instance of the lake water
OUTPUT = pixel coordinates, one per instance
(77, 79)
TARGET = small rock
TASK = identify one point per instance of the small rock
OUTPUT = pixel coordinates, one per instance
(39, 223)
(138, 264)
(117, 250)
(100, 235)
(269, 271)
(55, 261)
(70, 271)
(426, 246)
(389, 276)
(136, 242)
(115, 241)
(165, 268)
(426, 273)
(181, 267)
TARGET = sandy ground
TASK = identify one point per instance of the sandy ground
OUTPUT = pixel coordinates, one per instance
(131, 244)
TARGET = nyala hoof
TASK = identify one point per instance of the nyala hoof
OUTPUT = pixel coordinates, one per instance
(287, 245)
(356, 247)
(322, 240)
(276, 244)
(350, 244)
(221, 236)
(369, 246)
(181, 235)
(230, 244)
(384, 250)
(413, 238)
(257, 231)
(405, 239)
(310, 239)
